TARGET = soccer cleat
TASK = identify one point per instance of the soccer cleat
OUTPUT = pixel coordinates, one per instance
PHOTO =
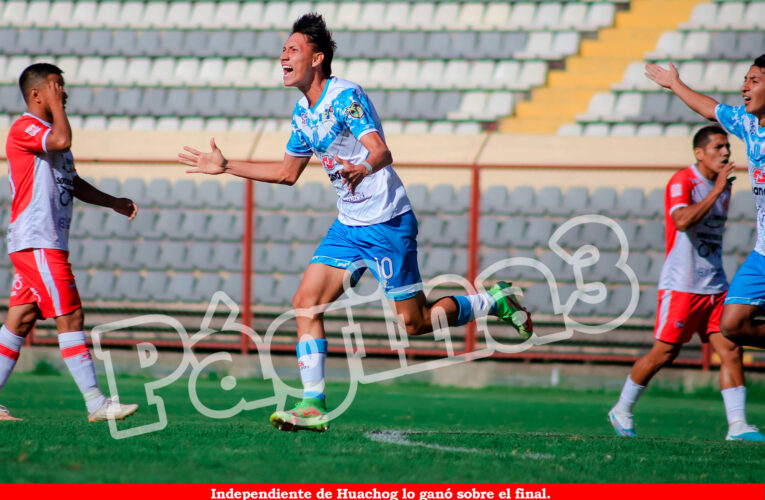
(5, 414)
(308, 415)
(112, 410)
(622, 424)
(511, 311)
(742, 432)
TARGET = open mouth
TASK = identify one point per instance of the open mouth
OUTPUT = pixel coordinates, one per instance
(286, 70)
(747, 99)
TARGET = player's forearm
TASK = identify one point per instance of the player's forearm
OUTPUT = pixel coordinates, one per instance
(60, 136)
(273, 172)
(87, 193)
(686, 217)
(700, 103)
(379, 159)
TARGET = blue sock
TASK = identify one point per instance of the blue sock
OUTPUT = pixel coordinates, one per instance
(473, 306)
(311, 356)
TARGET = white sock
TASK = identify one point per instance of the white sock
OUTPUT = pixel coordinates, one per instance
(77, 358)
(735, 404)
(10, 345)
(629, 396)
(312, 354)
(474, 306)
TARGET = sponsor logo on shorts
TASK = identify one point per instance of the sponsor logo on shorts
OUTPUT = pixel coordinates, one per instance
(679, 324)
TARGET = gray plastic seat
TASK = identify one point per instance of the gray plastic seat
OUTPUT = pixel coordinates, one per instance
(389, 44)
(147, 255)
(365, 42)
(232, 286)
(640, 263)
(575, 200)
(489, 45)
(646, 307)
(202, 102)
(8, 38)
(151, 43)
(209, 194)
(270, 227)
(650, 235)
(121, 255)
(264, 196)
(312, 196)
(100, 286)
(538, 232)
(53, 42)
(93, 254)
(244, 44)
(320, 226)
(180, 287)
(654, 204)
(220, 44)
(285, 289)
(221, 227)
(603, 200)
(233, 195)
(298, 227)
(198, 44)
(77, 42)
(441, 197)
(205, 286)
(446, 103)
(278, 259)
(424, 106)
(513, 42)
(104, 101)
(199, 256)
(519, 200)
(301, 257)
(152, 101)
(418, 195)
(413, 44)
(269, 44)
(226, 103)
(491, 256)
(167, 225)
(29, 41)
(464, 45)
(439, 261)
(742, 206)
(119, 226)
(89, 223)
(128, 101)
(126, 43)
(750, 44)
(173, 43)
(511, 233)
(537, 298)
(177, 103)
(275, 104)
(430, 229)
(263, 288)
(172, 255)
(438, 46)
(455, 232)
(127, 285)
(493, 199)
(228, 256)
(548, 201)
(722, 45)
(135, 189)
(158, 193)
(153, 286)
(488, 228)
(398, 105)
(79, 100)
(184, 194)
(654, 107)
(629, 204)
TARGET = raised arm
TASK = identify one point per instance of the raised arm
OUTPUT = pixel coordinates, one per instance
(670, 79)
(86, 192)
(60, 136)
(287, 171)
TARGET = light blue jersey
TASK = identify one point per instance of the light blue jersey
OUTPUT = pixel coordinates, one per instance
(334, 126)
(745, 126)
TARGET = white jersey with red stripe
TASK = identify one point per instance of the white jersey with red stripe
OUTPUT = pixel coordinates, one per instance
(42, 187)
(693, 260)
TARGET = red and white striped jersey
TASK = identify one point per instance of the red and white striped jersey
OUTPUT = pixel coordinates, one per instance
(42, 188)
(693, 259)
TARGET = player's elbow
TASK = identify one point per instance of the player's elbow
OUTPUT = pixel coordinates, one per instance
(58, 143)
(387, 157)
(287, 178)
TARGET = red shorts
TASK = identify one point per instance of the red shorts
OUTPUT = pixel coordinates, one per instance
(44, 276)
(680, 314)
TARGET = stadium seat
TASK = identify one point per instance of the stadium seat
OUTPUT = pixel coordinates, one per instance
(93, 254)
(228, 256)
(100, 286)
(205, 286)
(180, 287)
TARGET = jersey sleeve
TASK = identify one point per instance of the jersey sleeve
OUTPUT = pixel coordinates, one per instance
(678, 192)
(296, 146)
(29, 136)
(731, 118)
(353, 110)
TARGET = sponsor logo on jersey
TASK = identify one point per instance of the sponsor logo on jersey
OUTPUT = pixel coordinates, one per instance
(676, 190)
(33, 130)
(327, 114)
(758, 176)
(354, 110)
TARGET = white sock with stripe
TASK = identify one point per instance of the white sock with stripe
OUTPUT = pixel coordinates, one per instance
(10, 345)
(77, 358)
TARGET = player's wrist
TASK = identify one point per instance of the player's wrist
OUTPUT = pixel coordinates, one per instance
(368, 167)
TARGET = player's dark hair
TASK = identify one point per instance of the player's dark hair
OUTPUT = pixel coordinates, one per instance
(315, 30)
(760, 62)
(34, 73)
(703, 136)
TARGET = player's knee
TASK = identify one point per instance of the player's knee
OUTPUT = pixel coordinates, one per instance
(72, 322)
(730, 355)
(416, 326)
(732, 327)
(303, 300)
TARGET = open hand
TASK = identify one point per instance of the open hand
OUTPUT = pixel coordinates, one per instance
(212, 163)
(126, 207)
(664, 77)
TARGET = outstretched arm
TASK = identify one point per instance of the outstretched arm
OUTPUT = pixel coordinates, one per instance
(670, 79)
(286, 171)
(86, 192)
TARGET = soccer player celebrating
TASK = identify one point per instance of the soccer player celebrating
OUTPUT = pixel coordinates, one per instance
(375, 228)
(746, 296)
(692, 284)
(43, 184)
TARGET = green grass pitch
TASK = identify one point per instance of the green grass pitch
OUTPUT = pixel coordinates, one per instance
(392, 433)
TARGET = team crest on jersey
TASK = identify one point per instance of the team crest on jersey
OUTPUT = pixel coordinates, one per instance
(354, 110)
(326, 115)
(304, 118)
(33, 130)
(676, 190)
